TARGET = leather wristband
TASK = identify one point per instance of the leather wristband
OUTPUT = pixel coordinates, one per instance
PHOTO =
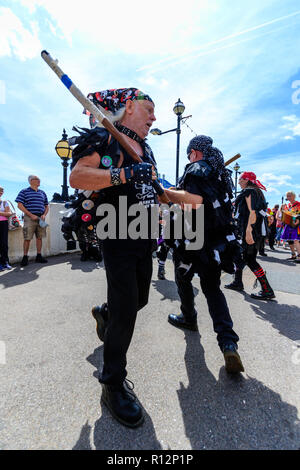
(127, 171)
(115, 176)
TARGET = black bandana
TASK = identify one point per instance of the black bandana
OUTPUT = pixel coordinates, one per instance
(213, 156)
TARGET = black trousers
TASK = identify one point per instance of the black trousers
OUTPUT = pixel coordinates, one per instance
(249, 256)
(210, 284)
(3, 242)
(128, 265)
(162, 252)
(272, 235)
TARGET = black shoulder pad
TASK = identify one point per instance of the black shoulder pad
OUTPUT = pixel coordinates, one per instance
(200, 169)
(88, 142)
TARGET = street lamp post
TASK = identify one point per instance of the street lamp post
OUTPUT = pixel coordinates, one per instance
(178, 110)
(64, 151)
(236, 169)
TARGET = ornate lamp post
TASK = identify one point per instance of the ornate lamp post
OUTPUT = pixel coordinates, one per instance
(236, 169)
(178, 110)
(64, 151)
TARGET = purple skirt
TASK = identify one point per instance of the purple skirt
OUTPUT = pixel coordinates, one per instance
(290, 233)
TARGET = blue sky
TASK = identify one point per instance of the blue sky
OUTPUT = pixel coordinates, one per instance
(236, 69)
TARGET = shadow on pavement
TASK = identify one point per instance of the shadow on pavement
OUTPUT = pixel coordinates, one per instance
(232, 412)
(284, 317)
(108, 434)
(30, 273)
(168, 289)
(85, 266)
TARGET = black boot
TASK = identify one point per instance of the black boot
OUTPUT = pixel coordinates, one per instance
(161, 272)
(233, 363)
(24, 261)
(180, 321)
(122, 403)
(237, 284)
(100, 313)
(267, 292)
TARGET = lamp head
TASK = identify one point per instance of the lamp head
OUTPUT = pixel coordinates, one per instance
(179, 108)
(236, 167)
(63, 148)
(155, 131)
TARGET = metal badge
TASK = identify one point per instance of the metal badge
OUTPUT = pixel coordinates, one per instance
(86, 217)
(88, 204)
(106, 161)
(90, 227)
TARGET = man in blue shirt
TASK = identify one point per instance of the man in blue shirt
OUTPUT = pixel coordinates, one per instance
(34, 203)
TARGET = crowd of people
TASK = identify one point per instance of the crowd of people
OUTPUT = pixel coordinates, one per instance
(234, 233)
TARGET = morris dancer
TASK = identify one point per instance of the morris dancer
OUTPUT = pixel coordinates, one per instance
(250, 213)
(100, 163)
(205, 180)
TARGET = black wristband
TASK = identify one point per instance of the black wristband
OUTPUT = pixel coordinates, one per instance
(127, 171)
(115, 176)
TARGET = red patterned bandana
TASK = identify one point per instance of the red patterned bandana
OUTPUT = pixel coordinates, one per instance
(115, 99)
(250, 176)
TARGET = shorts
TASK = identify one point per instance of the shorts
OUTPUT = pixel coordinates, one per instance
(32, 227)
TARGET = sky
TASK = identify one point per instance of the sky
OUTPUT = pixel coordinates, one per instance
(233, 64)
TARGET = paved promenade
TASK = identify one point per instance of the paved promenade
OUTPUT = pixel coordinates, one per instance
(49, 393)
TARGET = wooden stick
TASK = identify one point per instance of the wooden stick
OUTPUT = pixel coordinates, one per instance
(96, 112)
(238, 155)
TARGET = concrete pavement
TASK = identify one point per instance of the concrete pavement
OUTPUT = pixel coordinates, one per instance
(49, 393)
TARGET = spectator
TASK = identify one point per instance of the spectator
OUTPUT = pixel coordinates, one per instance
(5, 213)
(279, 224)
(34, 203)
(272, 227)
(289, 233)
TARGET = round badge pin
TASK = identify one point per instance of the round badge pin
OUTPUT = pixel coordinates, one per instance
(86, 217)
(88, 204)
(106, 161)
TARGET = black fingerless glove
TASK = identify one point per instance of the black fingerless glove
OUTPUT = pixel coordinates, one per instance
(139, 173)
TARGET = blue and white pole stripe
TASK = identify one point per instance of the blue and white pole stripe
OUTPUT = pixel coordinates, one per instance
(86, 103)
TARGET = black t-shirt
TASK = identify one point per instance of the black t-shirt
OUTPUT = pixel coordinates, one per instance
(220, 248)
(199, 178)
(110, 151)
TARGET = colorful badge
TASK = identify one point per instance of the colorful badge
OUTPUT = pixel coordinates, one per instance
(106, 161)
(86, 217)
(90, 227)
(88, 204)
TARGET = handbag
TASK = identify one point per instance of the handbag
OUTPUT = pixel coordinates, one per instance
(13, 220)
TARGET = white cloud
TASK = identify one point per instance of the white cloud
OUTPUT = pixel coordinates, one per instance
(15, 38)
(270, 179)
(292, 125)
(131, 27)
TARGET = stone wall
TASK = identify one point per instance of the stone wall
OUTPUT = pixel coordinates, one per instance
(53, 244)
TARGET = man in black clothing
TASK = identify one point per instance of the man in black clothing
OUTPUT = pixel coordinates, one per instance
(206, 181)
(100, 163)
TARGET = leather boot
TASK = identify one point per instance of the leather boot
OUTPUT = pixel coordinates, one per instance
(122, 403)
(267, 292)
(161, 272)
(180, 321)
(233, 363)
(100, 313)
(237, 283)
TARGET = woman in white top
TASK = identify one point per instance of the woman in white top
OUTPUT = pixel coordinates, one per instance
(5, 213)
